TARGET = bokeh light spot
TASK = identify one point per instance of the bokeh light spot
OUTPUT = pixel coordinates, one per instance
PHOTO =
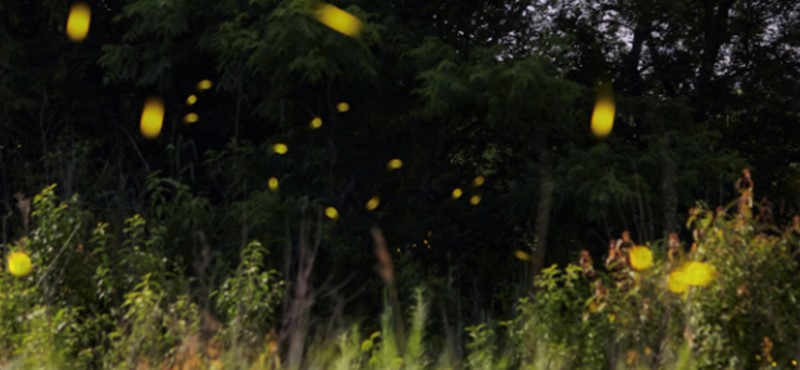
(316, 123)
(339, 20)
(394, 164)
(332, 213)
(280, 148)
(152, 117)
(457, 192)
(342, 107)
(478, 181)
(373, 203)
(191, 99)
(475, 199)
(204, 85)
(19, 264)
(190, 118)
(522, 256)
(273, 183)
(80, 16)
(603, 116)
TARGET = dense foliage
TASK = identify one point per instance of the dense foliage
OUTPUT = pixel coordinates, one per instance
(241, 234)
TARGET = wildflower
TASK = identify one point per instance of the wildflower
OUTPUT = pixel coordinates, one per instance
(641, 258)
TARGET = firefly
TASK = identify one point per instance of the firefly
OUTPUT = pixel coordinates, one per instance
(373, 203)
(273, 183)
(339, 20)
(190, 118)
(478, 181)
(394, 164)
(332, 213)
(152, 117)
(316, 123)
(280, 148)
(342, 107)
(457, 192)
(603, 116)
(191, 99)
(204, 85)
(80, 15)
(475, 199)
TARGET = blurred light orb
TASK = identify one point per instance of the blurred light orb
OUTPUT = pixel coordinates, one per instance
(394, 164)
(332, 213)
(475, 199)
(191, 99)
(478, 181)
(152, 117)
(19, 264)
(522, 256)
(343, 107)
(603, 116)
(280, 148)
(373, 203)
(80, 16)
(204, 85)
(273, 183)
(190, 118)
(316, 123)
(338, 20)
(641, 258)
(457, 192)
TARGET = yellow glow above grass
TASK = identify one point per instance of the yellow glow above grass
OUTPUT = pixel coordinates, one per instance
(80, 16)
(190, 118)
(603, 116)
(457, 192)
(273, 183)
(641, 258)
(280, 148)
(394, 164)
(332, 213)
(152, 118)
(204, 85)
(316, 123)
(373, 203)
(191, 99)
(339, 20)
(19, 264)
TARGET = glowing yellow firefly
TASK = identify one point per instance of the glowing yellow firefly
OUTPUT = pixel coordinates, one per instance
(280, 148)
(191, 99)
(457, 192)
(373, 203)
(478, 181)
(339, 20)
(190, 118)
(603, 116)
(80, 15)
(152, 117)
(273, 183)
(522, 256)
(316, 123)
(19, 264)
(475, 200)
(342, 107)
(332, 213)
(204, 85)
(394, 164)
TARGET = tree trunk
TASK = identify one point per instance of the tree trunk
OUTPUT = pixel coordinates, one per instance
(544, 204)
